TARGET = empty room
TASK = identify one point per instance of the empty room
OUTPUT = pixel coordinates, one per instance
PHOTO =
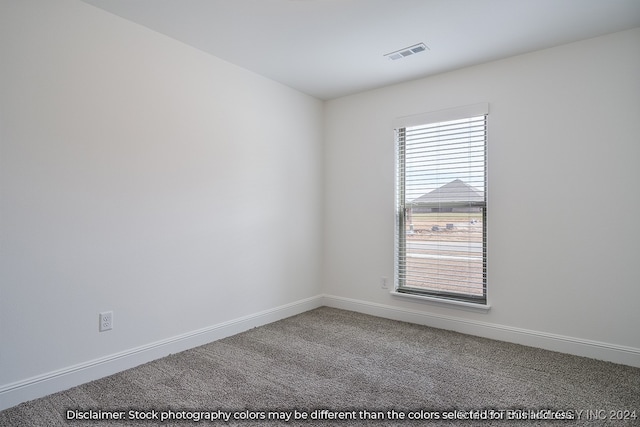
(319, 212)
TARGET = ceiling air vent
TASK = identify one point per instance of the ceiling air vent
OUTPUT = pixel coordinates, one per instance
(407, 51)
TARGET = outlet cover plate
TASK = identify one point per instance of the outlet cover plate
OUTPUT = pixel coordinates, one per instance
(106, 321)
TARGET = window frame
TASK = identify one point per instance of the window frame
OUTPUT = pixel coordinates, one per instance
(400, 240)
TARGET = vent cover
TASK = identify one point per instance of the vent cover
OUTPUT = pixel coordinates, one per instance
(407, 51)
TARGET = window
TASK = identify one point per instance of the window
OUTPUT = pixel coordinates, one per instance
(442, 205)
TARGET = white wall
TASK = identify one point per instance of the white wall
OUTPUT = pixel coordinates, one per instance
(564, 170)
(142, 176)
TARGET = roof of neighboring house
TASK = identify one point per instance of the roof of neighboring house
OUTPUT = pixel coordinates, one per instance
(456, 191)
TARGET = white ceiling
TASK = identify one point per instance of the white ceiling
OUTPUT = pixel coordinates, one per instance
(331, 48)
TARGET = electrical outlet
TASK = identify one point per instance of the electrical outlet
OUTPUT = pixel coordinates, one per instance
(106, 321)
(384, 283)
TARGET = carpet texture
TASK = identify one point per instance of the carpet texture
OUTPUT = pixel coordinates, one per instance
(329, 363)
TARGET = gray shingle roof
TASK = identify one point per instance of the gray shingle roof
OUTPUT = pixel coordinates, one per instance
(456, 191)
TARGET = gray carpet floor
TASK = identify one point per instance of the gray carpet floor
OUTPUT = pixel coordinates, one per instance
(329, 363)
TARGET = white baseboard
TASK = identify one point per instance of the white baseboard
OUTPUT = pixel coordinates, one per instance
(563, 344)
(32, 388)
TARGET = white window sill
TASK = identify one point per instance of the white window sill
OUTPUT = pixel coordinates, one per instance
(484, 307)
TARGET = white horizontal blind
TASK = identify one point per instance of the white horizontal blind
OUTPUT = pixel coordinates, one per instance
(441, 209)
